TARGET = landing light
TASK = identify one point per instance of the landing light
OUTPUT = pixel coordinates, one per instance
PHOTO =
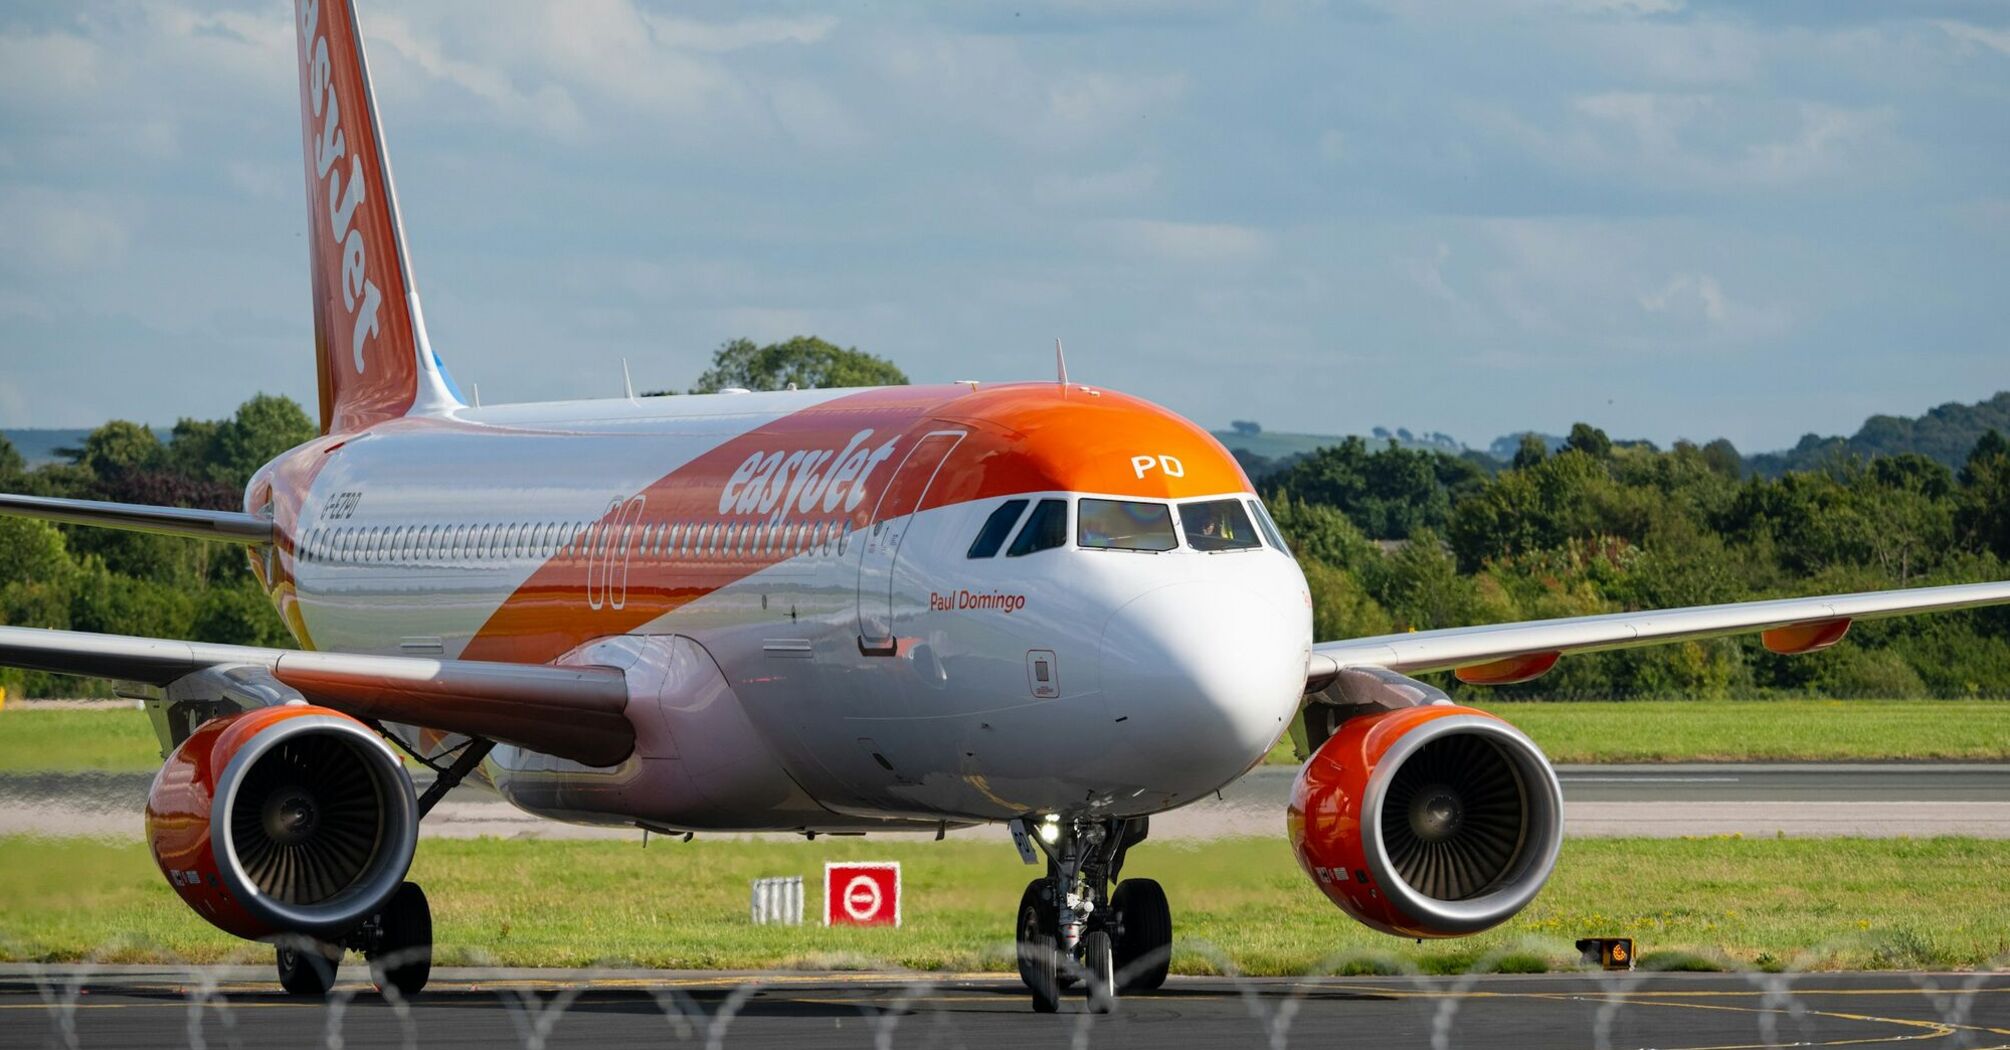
(1050, 829)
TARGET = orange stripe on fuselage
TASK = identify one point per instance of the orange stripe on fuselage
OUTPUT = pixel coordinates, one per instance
(826, 468)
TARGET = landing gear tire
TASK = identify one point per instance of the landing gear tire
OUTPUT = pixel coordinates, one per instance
(1039, 962)
(306, 972)
(1143, 941)
(1099, 974)
(403, 956)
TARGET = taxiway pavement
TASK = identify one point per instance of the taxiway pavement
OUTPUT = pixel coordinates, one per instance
(218, 1006)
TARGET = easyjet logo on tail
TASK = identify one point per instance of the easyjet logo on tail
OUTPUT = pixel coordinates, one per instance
(806, 481)
(344, 185)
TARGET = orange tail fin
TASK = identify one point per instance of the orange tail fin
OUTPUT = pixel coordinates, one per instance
(370, 346)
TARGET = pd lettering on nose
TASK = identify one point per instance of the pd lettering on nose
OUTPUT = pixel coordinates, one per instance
(1170, 466)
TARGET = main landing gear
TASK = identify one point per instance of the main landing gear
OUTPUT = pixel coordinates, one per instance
(397, 941)
(1070, 929)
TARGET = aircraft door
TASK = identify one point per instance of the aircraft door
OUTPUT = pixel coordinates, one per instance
(880, 543)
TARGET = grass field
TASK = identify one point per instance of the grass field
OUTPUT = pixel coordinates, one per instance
(77, 740)
(73, 740)
(1239, 904)
(1760, 730)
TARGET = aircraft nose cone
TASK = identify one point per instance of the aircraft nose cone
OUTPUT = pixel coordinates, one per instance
(1206, 676)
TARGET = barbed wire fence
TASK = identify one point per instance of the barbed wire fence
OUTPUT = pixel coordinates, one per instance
(922, 1009)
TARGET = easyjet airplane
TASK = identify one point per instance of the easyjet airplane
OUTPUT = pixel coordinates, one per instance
(1046, 605)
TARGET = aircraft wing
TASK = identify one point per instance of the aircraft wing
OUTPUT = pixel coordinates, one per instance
(1501, 654)
(234, 526)
(571, 712)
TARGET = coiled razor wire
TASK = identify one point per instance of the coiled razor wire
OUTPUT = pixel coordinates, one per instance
(905, 1012)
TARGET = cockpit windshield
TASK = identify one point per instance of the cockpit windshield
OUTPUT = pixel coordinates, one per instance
(1218, 525)
(1108, 524)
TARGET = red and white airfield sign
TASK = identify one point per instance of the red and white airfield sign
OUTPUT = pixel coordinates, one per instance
(862, 894)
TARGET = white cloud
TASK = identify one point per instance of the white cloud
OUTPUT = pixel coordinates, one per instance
(1185, 242)
(1688, 291)
(1997, 40)
(548, 106)
(692, 35)
(1428, 273)
(1717, 142)
(1007, 89)
(1594, 286)
(40, 67)
(47, 232)
(1125, 185)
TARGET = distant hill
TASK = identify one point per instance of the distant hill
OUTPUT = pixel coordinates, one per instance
(39, 445)
(1945, 434)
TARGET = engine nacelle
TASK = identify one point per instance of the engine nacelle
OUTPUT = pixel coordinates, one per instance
(1430, 821)
(281, 820)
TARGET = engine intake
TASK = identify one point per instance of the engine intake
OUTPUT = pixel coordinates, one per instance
(1433, 821)
(283, 820)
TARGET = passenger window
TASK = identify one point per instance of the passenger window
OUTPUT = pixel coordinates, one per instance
(1121, 525)
(996, 528)
(1045, 529)
(1269, 527)
(1218, 525)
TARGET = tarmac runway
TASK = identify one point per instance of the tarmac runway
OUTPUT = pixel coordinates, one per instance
(1872, 799)
(213, 1007)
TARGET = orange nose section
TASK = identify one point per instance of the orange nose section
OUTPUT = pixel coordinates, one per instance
(1046, 437)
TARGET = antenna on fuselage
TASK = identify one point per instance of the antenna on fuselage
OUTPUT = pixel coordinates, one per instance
(627, 384)
(478, 394)
(1060, 363)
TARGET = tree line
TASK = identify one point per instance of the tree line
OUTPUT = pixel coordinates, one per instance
(1395, 539)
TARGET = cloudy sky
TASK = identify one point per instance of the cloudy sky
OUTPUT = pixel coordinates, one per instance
(1669, 218)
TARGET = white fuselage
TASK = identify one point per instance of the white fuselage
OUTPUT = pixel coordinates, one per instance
(1072, 679)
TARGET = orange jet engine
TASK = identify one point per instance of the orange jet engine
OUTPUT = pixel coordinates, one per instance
(1431, 821)
(283, 820)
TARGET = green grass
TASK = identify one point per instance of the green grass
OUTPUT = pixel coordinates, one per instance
(1760, 730)
(69, 741)
(77, 740)
(1238, 903)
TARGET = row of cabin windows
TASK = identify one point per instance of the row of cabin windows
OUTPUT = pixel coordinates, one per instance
(1212, 526)
(512, 541)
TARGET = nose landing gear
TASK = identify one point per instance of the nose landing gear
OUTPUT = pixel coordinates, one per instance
(1070, 928)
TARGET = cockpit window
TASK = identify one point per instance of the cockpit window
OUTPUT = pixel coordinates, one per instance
(1269, 527)
(996, 528)
(1121, 525)
(1045, 529)
(1218, 525)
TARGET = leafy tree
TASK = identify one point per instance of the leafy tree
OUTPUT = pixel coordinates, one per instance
(1389, 493)
(1569, 496)
(1319, 532)
(1341, 606)
(1589, 440)
(119, 447)
(806, 361)
(239, 614)
(1530, 451)
(1722, 456)
(1982, 517)
(263, 427)
(12, 465)
(191, 447)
